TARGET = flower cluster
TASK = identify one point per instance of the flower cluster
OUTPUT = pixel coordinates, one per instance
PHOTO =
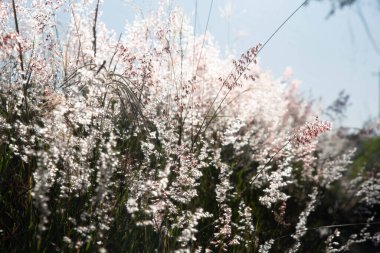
(310, 131)
(146, 143)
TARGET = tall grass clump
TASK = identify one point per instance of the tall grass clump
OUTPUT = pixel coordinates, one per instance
(152, 142)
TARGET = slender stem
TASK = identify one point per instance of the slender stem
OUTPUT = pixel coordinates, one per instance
(333, 226)
(282, 24)
(235, 81)
(23, 74)
(94, 28)
(204, 36)
(79, 38)
(18, 32)
(115, 52)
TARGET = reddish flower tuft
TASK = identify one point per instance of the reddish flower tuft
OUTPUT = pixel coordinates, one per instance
(310, 131)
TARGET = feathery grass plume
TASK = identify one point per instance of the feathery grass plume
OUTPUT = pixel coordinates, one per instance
(143, 142)
(310, 131)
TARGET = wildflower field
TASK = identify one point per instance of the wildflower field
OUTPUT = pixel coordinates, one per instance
(151, 141)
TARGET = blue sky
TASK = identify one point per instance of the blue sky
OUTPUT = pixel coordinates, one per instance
(327, 55)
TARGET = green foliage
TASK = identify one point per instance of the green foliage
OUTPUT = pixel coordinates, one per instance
(367, 156)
